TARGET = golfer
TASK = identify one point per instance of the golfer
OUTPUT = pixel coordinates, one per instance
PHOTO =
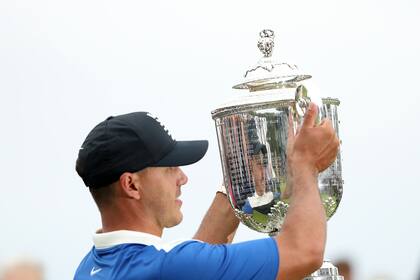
(131, 166)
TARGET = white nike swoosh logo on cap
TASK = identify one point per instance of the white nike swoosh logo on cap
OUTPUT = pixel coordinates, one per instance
(94, 271)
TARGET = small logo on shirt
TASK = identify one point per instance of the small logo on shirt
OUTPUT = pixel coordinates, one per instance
(94, 271)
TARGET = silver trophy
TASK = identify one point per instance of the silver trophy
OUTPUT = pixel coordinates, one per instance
(252, 134)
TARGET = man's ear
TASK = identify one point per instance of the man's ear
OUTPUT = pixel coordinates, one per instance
(130, 185)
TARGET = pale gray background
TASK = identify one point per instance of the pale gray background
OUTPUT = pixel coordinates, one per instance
(66, 65)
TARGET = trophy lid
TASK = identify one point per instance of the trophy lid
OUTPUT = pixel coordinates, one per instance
(269, 82)
(270, 73)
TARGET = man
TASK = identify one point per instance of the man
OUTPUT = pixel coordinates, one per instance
(263, 199)
(131, 166)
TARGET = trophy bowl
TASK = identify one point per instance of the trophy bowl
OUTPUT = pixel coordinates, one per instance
(253, 131)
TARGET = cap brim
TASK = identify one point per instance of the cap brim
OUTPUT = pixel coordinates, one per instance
(184, 153)
(259, 147)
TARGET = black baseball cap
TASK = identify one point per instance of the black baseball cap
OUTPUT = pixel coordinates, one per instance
(130, 143)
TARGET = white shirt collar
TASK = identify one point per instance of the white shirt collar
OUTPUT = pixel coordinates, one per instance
(119, 237)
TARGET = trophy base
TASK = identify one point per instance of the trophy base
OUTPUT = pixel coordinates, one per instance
(327, 272)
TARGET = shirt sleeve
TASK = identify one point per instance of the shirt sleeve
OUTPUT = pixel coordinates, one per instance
(257, 259)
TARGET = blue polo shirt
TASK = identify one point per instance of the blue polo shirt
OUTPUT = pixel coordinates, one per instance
(131, 255)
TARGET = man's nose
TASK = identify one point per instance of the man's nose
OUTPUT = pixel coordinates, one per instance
(183, 179)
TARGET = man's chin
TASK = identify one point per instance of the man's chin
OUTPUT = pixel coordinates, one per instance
(176, 221)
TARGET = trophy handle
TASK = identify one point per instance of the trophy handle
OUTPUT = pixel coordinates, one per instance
(302, 101)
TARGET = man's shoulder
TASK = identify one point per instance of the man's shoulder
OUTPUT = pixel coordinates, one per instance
(169, 260)
(168, 246)
(137, 257)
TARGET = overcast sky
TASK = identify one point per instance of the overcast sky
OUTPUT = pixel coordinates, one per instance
(67, 65)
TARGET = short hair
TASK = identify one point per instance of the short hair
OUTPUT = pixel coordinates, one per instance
(104, 195)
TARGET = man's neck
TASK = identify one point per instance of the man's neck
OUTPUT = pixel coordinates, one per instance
(113, 221)
(109, 228)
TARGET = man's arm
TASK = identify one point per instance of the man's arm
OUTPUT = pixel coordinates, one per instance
(219, 224)
(301, 241)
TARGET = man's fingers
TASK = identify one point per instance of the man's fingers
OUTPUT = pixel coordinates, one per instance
(328, 127)
(310, 116)
(291, 132)
(325, 122)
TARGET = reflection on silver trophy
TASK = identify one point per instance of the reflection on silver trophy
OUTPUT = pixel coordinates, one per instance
(252, 133)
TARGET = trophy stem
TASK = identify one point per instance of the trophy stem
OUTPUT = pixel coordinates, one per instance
(327, 272)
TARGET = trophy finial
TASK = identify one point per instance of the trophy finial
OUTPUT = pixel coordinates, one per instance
(266, 42)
